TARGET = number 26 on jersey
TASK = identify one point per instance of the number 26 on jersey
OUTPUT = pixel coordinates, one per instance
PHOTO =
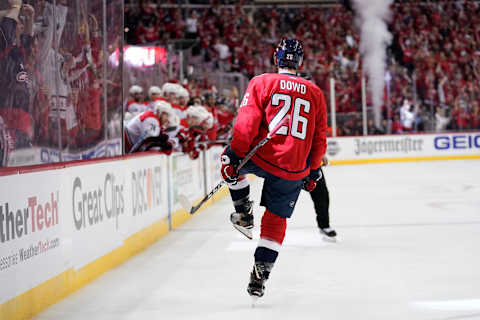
(297, 130)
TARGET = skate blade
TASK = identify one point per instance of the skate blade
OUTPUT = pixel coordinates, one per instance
(254, 301)
(329, 239)
(246, 232)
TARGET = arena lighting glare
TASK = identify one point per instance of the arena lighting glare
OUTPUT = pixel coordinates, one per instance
(140, 56)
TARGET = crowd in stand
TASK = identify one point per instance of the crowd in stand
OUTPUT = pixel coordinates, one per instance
(52, 60)
(52, 81)
(433, 61)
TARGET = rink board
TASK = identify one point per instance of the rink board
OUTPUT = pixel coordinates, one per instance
(394, 148)
(69, 223)
(65, 225)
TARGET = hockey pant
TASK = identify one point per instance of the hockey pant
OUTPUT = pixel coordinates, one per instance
(321, 202)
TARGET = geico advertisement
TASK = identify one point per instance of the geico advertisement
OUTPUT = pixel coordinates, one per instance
(186, 178)
(147, 191)
(468, 143)
(403, 146)
(31, 242)
(97, 209)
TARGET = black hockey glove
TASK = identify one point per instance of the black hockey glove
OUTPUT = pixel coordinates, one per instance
(310, 182)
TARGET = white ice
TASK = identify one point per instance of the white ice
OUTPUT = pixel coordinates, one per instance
(409, 248)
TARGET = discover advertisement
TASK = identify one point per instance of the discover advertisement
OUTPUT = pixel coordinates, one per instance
(147, 185)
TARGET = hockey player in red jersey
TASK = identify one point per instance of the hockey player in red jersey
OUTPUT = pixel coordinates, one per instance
(290, 161)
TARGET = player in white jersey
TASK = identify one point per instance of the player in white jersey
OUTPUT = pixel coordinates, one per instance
(169, 92)
(192, 133)
(140, 127)
(169, 120)
(151, 129)
(154, 95)
(135, 105)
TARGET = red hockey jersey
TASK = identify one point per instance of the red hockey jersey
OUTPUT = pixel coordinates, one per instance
(298, 145)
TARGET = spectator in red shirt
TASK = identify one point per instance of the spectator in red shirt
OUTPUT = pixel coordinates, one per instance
(397, 127)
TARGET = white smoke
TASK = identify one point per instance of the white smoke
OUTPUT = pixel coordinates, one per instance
(372, 17)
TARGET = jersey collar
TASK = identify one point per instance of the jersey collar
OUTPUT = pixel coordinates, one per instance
(285, 71)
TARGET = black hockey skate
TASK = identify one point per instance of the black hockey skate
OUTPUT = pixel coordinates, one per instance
(329, 234)
(243, 221)
(259, 275)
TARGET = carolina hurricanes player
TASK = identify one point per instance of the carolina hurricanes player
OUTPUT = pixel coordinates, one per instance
(193, 131)
(153, 125)
(182, 96)
(165, 113)
(169, 91)
(287, 163)
(155, 94)
(135, 105)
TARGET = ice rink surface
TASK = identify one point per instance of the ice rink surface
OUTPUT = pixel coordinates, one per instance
(409, 248)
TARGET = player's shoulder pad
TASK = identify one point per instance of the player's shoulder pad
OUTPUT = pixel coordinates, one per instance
(315, 87)
(261, 76)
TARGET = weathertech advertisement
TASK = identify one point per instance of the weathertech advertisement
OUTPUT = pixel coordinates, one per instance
(31, 237)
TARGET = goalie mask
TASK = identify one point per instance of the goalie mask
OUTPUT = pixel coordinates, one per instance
(289, 54)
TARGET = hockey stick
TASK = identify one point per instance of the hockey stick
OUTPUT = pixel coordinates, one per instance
(207, 142)
(219, 141)
(137, 145)
(186, 204)
(140, 141)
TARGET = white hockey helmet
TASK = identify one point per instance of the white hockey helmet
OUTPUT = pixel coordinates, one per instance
(160, 107)
(135, 89)
(154, 90)
(205, 117)
(169, 87)
(183, 93)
